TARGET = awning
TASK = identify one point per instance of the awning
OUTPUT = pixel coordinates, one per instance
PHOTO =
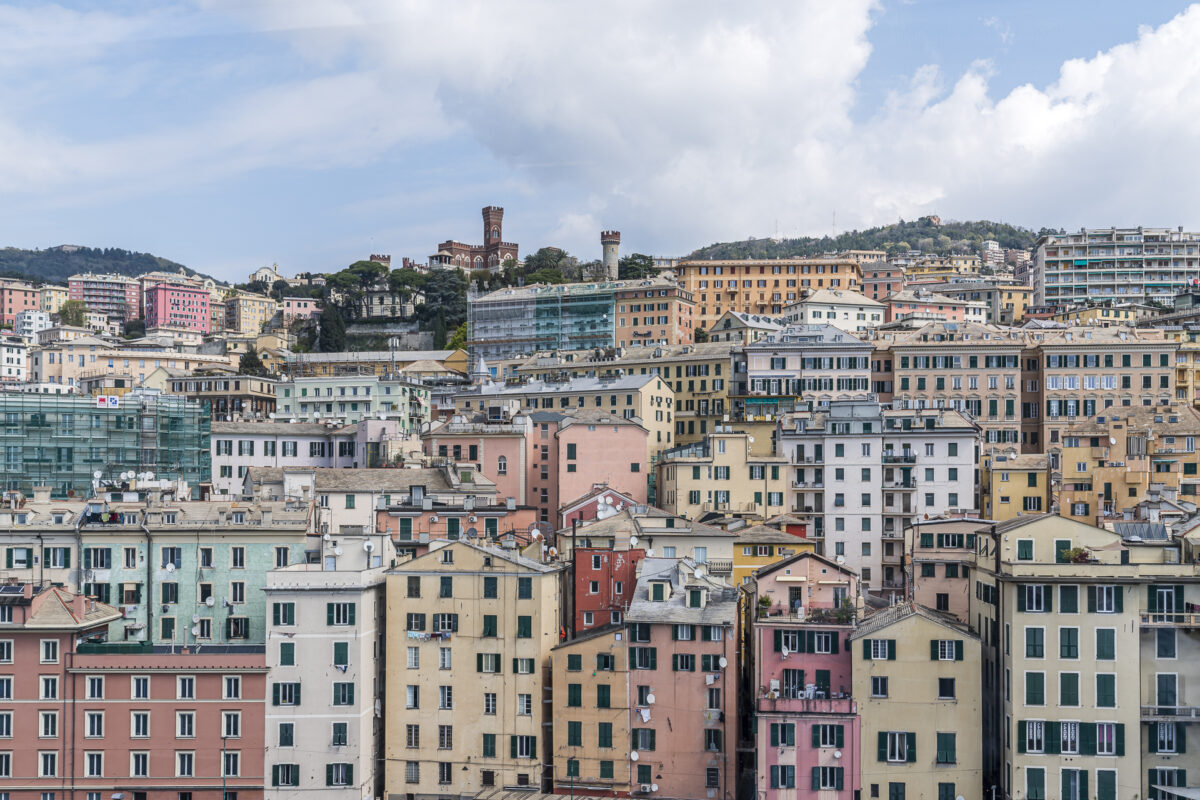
(1187, 793)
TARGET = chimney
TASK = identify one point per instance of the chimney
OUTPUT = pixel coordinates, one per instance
(41, 494)
(79, 606)
(27, 590)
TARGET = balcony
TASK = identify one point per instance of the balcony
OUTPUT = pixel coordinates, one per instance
(1170, 713)
(781, 701)
(903, 485)
(808, 484)
(1160, 619)
(901, 458)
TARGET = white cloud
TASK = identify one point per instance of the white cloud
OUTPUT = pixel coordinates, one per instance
(679, 123)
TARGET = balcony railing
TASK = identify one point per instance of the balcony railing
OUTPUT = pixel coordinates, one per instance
(1170, 619)
(899, 458)
(1168, 713)
(808, 484)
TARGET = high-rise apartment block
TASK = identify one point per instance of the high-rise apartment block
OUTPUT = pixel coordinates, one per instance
(1114, 264)
(111, 295)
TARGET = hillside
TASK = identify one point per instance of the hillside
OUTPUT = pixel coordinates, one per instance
(925, 234)
(56, 264)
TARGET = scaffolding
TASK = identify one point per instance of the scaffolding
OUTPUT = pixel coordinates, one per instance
(62, 441)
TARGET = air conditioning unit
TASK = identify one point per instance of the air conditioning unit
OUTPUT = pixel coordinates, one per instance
(130, 610)
(471, 518)
(645, 788)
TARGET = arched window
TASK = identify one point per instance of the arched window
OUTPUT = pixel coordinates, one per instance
(495, 233)
(502, 466)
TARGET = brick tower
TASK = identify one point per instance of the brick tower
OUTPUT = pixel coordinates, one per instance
(609, 241)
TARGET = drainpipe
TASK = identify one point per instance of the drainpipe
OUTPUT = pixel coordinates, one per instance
(149, 582)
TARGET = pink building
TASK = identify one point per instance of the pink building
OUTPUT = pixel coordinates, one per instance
(546, 458)
(605, 580)
(122, 719)
(15, 297)
(881, 280)
(299, 308)
(922, 301)
(943, 555)
(178, 307)
(806, 725)
(587, 507)
(683, 656)
(113, 295)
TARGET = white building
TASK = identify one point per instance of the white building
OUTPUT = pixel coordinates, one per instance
(864, 473)
(349, 398)
(841, 308)
(325, 631)
(30, 322)
(237, 446)
(16, 352)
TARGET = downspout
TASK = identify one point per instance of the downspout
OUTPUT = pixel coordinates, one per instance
(149, 581)
(79, 544)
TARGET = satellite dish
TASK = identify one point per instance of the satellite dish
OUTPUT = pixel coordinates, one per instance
(97, 474)
(633, 756)
(170, 567)
(553, 552)
(650, 553)
(841, 559)
(368, 546)
(786, 651)
(149, 476)
(211, 601)
(535, 535)
(195, 630)
(1112, 440)
(472, 533)
(654, 787)
(724, 662)
(649, 699)
(606, 499)
(633, 541)
(326, 537)
(838, 754)
(195, 617)
(337, 551)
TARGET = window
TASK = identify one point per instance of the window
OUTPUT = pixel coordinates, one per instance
(1107, 599)
(49, 651)
(879, 649)
(94, 724)
(879, 686)
(343, 694)
(1035, 689)
(339, 613)
(285, 694)
(946, 689)
(524, 705)
(489, 702)
(946, 749)
(946, 649)
(339, 734)
(1106, 690)
(232, 724)
(185, 724)
(898, 746)
(783, 776)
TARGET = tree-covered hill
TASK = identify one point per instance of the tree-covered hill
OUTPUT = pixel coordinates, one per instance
(927, 234)
(56, 264)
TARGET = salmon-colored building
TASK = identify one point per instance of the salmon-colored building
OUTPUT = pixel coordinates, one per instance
(590, 506)
(89, 718)
(798, 663)
(15, 297)
(546, 458)
(604, 582)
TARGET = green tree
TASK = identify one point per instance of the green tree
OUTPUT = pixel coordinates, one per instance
(445, 299)
(72, 312)
(135, 328)
(332, 335)
(635, 266)
(251, 364)
(459, 340)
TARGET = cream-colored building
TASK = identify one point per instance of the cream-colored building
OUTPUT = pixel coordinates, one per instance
(66, 362)
(53, 297)
(722, 474)
(917, 682)
(1013, 484)
(246, 312)
(469, 635)
(843, 309)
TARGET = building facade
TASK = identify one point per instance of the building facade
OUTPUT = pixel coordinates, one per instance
(111, 295)
(170, 305)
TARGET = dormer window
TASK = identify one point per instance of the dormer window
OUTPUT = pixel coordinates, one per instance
(658, 591)
(695, 598)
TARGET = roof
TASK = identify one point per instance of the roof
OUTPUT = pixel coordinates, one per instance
(758, 321)
(276, 428)
(824, 336)
(511, 556)
(764, 534)
(327, 479)
(891, 615)
(542, 289)
(762, 572)
(837, 297)
(617, 384)
(638, 520)
(374, 355)
(721, 608)
(55, 608)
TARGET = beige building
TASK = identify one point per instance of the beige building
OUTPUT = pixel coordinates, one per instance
(721, 474)
(843, 309)
(493, 615)
(1013, 484)
(735, 326)
(592, 714)
(760, 286)
(247, 313)
(52, 297)
(917, 681)
(66, 362)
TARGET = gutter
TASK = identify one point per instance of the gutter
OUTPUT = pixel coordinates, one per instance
(149, 581)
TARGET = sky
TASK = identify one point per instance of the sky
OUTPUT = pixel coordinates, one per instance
(229, 134)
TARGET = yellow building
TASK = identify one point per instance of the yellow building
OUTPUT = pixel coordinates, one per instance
(370, 362)
(699, 374)
(722, 474)
(917, 682)
(1103, 316)
(457, 611)
(1013, 484)
(1187, 366)
(932, 268)
(52, 297)
(591, 714)
(761, 546)
(760, 286)
(247, 313)
(1114, 461)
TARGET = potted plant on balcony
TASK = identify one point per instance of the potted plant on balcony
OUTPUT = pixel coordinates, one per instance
(764, 605)
(1077, 555)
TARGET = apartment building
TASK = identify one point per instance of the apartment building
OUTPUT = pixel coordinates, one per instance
(917, 683)
(1005, 303)
(15, 352)
(1085, 371)
(246, 312)
(864, 473)
(239, 446)
(921, 302)
(943, 554)
(111, 295)
(591, 686)
(1069, 597)
(943, 267)
(227, 397)
(723, 475)
(348, 399)
(52, 297)
(294, 308)
(881, 280)
(604, 580)
(99, 719)
(1127, 314)
(579, 316)
(172, 305)
(647, 398)
(700, 374)
(844, 310)
(1119, 264)
(685, 723)
(760, 286)
(976, 369)
(1013, 484)
(760, 546)
(797, 674)
(814, 363)
(490, 613)
(15, 297)
(325, 647)
(68, 361)
(61, 440)
(547, 458)
(735, 326)
(30, 322)
(1112, 462)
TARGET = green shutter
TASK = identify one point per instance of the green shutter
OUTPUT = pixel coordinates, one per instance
(958, 650)
(1020, 598)
(1180, 737)
(1152, 737)
(479, 662)
(778, 639)
(275, 615)
(816, 736)
(933, 649)
(512, 744)
(816, 778)
(297, 693)
(352, 607)
(775, 734)
(341, 654)
(1091, 599)
(1048, 598)
(329, 774)
(1053, 740)
(911, 740)
(1087, 739)
(839, 736)
(1020, 736)
(926, 540)
(274, 774)
(1121, 738)
(275, 694)
(1119, 599)
(891, 647)
(653, 657)
(329, 613)
(882, 746)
